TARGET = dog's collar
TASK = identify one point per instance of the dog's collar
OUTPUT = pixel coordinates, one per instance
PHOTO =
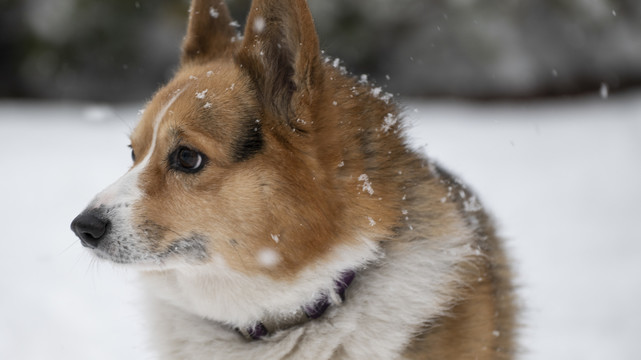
(305, 313)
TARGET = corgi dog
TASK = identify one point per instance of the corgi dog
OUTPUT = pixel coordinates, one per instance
(275, 211)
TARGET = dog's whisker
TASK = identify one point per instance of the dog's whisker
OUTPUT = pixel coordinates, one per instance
(79, 258)
(91, 268)
(72, 244)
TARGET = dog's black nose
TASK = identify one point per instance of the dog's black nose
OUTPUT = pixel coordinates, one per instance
(90, 227)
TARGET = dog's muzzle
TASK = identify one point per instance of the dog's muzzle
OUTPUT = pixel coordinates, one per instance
(91, 227)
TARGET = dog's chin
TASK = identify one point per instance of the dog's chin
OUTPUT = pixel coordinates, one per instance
(147, 262)
(125, 261)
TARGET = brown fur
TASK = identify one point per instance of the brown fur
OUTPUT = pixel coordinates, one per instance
(332, 166)
(481, 325)
(318, 201)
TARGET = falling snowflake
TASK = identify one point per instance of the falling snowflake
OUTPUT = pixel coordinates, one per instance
(268, 258)
(259, 24)
(605, 91)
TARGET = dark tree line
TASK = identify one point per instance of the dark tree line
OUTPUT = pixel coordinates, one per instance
(121, 50)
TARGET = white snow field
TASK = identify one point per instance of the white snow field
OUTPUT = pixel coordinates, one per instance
(563, 179)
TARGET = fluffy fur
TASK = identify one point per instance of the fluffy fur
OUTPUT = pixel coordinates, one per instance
(262, 173)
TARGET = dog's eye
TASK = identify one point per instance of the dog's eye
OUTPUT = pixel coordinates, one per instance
(133, 154)
(187, 160)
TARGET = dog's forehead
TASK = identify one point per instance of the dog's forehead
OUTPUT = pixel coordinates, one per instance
(210, 99)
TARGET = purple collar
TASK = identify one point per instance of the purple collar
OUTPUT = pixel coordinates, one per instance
(310, 311)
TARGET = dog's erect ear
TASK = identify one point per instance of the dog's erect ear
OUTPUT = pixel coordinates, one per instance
(281, 54)
(210, 32)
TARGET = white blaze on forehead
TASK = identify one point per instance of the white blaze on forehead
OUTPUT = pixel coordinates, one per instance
(125, 189)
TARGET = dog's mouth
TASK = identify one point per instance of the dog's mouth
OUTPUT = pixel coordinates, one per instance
(107, 240)
(190, 250)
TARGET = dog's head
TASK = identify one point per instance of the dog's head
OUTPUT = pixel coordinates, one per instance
(257, 155)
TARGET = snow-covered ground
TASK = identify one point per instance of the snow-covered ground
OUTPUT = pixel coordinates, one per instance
(562, 177)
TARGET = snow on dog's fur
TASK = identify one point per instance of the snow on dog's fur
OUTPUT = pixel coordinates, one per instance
(265, 179)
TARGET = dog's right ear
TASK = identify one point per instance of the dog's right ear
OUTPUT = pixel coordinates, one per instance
(210, 32)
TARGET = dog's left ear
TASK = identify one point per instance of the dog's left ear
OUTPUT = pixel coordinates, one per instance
(281, 54)
(210, 32)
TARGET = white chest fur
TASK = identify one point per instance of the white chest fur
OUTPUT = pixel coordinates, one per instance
(411, 282)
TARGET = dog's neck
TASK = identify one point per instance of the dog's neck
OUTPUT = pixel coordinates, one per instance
(305, 313)
(259, 305)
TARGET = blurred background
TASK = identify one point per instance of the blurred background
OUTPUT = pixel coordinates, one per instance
(121, 50)
(534, 103)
